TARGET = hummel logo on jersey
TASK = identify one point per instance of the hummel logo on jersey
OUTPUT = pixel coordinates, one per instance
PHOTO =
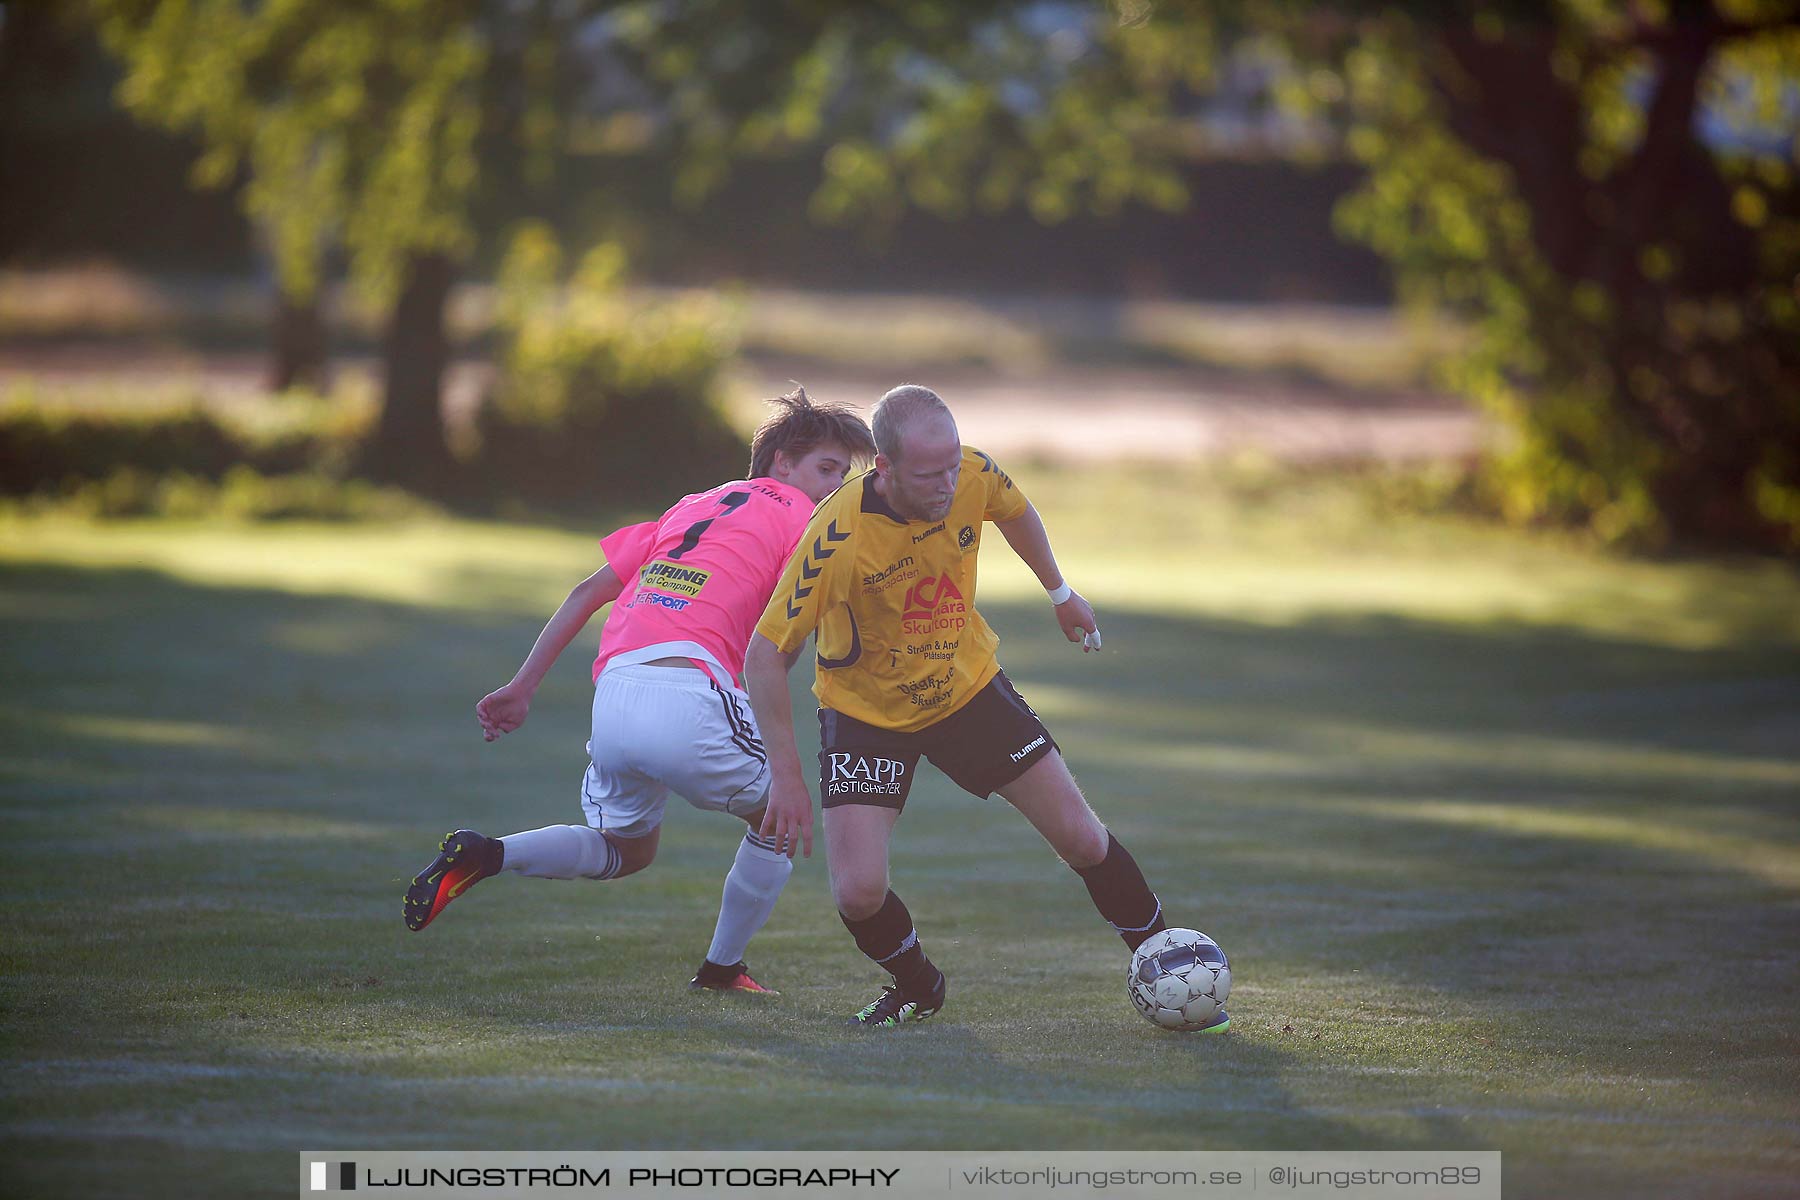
(1019, 754)
(831, 535)
(808, 572)
(919, 537)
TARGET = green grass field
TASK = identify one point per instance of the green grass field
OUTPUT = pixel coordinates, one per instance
(1503, 838)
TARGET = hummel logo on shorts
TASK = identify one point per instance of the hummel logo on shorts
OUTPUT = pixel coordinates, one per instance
(1019, 754)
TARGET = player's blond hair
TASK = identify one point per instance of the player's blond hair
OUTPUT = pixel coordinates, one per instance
(897, 410)
(798, 426)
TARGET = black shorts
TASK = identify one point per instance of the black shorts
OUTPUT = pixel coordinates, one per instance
(982, 747)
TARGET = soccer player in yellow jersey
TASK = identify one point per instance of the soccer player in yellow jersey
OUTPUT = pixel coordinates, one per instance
(885, 576)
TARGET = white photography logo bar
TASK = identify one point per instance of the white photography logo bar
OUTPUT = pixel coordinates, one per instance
(1226, 1175)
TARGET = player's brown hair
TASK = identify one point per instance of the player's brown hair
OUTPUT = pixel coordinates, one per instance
(798, 426)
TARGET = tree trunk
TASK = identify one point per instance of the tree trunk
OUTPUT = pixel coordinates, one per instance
(299, 351)
(1700, 398)
(409, 447)
(1503, 100)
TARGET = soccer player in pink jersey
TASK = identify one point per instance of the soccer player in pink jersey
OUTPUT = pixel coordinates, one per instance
(668, 713)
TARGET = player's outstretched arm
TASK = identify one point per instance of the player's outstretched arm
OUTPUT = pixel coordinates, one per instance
(789, 818)
(505, 709)
(1029, 539)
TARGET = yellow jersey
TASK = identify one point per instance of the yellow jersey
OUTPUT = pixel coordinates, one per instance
(900, 645)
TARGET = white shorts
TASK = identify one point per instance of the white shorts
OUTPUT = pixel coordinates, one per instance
(663, 729)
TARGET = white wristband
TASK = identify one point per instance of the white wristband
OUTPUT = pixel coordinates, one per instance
(1060, 592)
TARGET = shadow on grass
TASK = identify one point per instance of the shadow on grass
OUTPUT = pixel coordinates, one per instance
(1423, 841)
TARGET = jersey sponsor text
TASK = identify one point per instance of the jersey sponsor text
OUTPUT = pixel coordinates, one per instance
(933, 691)
(933, 605)
(889, 574)
(672, 603)
(672, 578)
(864, 775)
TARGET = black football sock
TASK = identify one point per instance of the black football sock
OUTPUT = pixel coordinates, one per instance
(890, 940)
(1120, 893)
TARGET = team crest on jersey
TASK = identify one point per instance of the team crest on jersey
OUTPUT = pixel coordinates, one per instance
(933, 605)
(965, 537)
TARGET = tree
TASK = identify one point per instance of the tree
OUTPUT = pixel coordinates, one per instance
(1608, 192)
(384, 126)
(354, 124)
(1612, 198)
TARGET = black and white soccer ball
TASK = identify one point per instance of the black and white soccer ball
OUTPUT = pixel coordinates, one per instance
(1179, 979)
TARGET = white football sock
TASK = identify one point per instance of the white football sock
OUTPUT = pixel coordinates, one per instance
(757, 876)
(561, 852)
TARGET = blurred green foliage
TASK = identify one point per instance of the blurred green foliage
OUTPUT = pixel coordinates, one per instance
(184, 461)
(242, 494)
(1628, 262)
(353, 122)
(46, 450)
(381, 126)
(357, 127)
(1608, 193)
(601, 395)
(601, 392)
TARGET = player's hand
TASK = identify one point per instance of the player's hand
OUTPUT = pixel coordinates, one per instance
(789, 819)
(1076, 616)
(502, 711)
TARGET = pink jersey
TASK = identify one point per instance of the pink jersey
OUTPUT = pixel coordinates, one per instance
(703, 572)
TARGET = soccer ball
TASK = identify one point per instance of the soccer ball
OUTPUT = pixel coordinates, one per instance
(1179, 979)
